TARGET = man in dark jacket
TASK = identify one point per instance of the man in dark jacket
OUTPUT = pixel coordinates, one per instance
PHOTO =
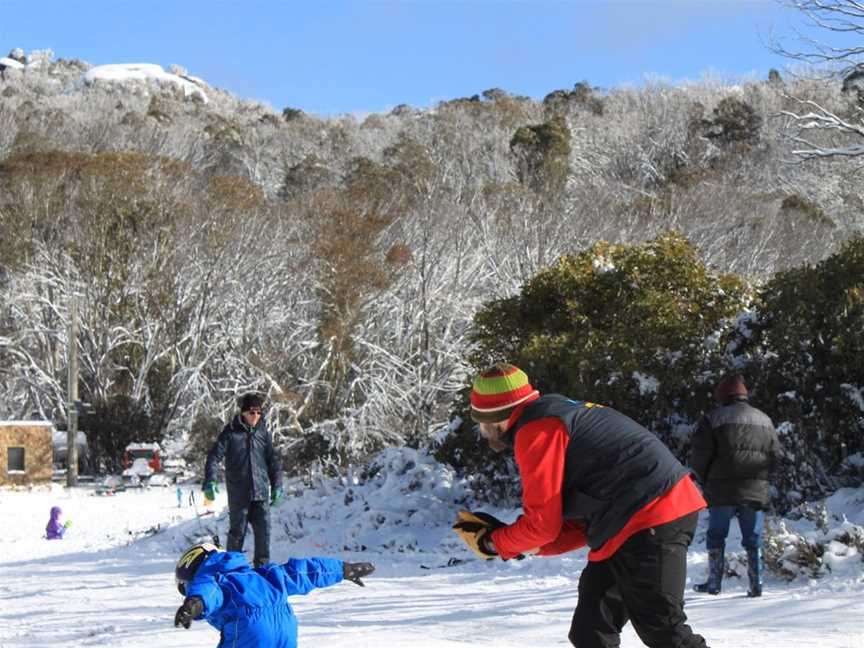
(591, 475)
(733, 449)
(252, 475)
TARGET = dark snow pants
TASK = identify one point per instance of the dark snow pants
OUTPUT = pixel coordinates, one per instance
(258, 515)
(643, 582)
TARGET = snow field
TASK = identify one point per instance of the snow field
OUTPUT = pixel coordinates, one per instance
(110, 582)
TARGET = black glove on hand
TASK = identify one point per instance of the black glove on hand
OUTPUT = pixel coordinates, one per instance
(353, 571)
(191, 608)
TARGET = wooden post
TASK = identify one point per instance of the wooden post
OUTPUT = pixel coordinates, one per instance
(72, 396)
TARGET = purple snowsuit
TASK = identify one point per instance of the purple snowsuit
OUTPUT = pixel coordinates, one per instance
(55, 530)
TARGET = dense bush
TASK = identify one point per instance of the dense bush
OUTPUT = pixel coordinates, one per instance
(806, 353)
(647, 329)
(581, 96)
(635, 327)
(113, 424)
(541, 154)
(734, 120)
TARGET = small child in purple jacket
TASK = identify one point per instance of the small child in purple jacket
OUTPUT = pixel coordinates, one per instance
(54, 530)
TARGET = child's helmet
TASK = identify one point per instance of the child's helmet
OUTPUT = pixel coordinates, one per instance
(190, 562)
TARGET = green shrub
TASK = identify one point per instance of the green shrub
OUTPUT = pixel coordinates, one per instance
(581, 96)
(542, 155)
(634, 327)
(292, 114)
(807, 348)
(806, 211)
(734, 120)
(114, 423)
(306, 177)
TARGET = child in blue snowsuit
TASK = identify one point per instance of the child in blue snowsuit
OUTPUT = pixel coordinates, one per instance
(250, 606)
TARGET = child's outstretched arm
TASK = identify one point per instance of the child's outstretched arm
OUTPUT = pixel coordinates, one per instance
(302, 575)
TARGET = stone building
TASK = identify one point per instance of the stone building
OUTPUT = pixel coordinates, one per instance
(26, 452)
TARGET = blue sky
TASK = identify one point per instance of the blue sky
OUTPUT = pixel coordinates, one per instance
(334, 56)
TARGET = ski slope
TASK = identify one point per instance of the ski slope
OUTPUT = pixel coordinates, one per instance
(110, 582)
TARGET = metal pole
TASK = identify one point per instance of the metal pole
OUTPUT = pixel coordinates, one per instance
(72, 391)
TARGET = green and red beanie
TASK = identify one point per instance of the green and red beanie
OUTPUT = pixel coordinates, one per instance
(497, 391)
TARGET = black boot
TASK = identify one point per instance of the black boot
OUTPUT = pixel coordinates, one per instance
(715, 573)
(754, 572)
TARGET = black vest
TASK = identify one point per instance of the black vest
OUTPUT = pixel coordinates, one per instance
(613, 467)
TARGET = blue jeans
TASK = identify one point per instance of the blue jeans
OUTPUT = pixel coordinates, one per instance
(750, 521)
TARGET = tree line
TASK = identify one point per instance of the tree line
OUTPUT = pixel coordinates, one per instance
(338, 265)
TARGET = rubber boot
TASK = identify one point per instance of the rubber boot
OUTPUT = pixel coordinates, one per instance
(754, 572)
(715, 573)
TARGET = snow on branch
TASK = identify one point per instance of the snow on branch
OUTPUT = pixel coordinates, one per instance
(821, 119)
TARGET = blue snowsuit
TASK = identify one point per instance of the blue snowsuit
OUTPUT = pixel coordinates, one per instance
(249, 606)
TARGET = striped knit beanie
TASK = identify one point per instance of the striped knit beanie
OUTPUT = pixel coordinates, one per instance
(497, 391)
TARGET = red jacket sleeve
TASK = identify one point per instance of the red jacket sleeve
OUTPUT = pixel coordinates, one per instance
(541, 448)
(572, 537)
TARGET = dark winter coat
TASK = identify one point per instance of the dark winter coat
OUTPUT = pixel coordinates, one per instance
(733, 450)
(251, 465)
(249, 606)
(613, 466)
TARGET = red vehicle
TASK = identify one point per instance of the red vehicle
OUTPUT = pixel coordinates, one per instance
(151, 452)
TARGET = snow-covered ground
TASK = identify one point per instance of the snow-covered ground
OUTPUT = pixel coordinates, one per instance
(110, 581)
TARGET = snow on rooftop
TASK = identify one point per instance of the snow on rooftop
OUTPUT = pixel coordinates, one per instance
(142, 72)
(143, 446)
(27, 423)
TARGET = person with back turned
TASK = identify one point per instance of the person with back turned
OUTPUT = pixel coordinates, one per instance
(733, 449)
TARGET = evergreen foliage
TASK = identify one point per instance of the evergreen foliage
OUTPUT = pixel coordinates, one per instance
(633, 327)
(805, 349)
(542, 153)
(734, 120)
(113, 424)
(581, 96)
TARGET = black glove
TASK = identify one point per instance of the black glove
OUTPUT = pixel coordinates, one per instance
(191, 608)
(353, 571)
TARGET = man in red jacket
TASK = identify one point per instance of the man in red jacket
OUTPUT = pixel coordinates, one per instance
(592, 476)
